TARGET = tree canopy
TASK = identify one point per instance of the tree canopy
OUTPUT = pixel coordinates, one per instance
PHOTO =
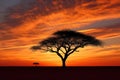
(66, 42)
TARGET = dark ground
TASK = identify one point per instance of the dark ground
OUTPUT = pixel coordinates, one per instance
(59, 73)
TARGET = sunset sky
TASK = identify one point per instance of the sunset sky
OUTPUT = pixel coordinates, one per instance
(24, 23)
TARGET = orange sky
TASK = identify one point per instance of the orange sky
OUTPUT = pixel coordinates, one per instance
(29, 22)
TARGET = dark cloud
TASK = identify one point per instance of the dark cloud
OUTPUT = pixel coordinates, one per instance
(31, 9)
(111, 33)
(4, 5)
(117, 5)
(103, 23)
(91, 6)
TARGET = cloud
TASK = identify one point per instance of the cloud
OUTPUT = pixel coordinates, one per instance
(34, 9)
(114, 48)
(109, 56)
(103, 29)
(31, 18)
(104, 23)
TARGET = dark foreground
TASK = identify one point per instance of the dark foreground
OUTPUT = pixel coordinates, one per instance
(59, 73)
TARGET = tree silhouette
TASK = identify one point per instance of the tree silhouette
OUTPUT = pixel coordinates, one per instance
(66, 42)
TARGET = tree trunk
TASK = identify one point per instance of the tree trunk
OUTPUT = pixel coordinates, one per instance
(63, 63)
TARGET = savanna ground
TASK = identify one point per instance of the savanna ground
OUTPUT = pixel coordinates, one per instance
(59, 73)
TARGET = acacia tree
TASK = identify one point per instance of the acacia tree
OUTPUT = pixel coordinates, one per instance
(66, 42)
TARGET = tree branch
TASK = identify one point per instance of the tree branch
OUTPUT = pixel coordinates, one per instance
(73, 50)
(59, 55)
(58, 52)
(62, 51)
